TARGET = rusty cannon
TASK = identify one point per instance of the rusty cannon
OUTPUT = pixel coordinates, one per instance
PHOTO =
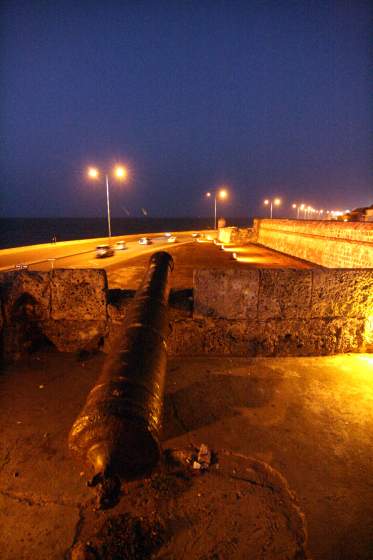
(117, 431)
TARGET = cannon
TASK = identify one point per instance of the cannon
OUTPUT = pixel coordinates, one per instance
(117, 431)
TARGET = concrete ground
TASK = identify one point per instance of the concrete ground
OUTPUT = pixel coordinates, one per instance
(192, 256)
(308, 419)
(291, 440)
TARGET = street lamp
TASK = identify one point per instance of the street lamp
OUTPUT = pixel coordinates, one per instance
(297, 208)
(269, 202)
(222, 194)
(120, 172)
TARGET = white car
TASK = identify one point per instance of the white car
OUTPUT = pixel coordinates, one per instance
(120, 245)
(168, 234)
(145, 241)
(172, 239)
(104, 251)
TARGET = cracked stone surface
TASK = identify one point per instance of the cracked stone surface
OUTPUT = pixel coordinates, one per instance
(239, 506)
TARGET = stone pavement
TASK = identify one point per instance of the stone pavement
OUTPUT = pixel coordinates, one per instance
(192, 256)
(290, 436)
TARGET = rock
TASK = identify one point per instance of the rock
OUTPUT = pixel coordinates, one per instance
(79, 295)
(204, 456)
(73, 336)
(25, 294)
(226, 293)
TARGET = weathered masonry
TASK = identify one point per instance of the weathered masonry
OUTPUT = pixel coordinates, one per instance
(278, 312)
(327, 243)
(254, 312)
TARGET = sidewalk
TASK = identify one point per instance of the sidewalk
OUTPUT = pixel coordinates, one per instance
(278, 426)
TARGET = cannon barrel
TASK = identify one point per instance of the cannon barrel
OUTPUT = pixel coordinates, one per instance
(117, 431)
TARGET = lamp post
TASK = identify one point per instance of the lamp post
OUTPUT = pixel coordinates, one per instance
(269, 202)
(297, 208)
(222, 194)
(120, 173)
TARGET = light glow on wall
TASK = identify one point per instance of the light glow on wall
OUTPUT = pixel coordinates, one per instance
(368, 331)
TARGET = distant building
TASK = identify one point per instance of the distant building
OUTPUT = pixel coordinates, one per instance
(359, 215)
(369, 214)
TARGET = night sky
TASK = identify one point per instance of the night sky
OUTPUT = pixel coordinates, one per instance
(268, 97)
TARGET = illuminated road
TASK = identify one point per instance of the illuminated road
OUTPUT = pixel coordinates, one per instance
(80, 254)
(126, 268)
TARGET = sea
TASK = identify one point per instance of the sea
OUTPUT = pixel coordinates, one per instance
(19, 232)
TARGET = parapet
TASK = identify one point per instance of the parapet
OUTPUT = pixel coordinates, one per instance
(331, 244)
(238, 312)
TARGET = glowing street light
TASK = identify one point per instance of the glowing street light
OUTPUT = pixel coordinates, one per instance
(93, 173)
(120, 172)
(297, 208)
(271, 203)
(222, 194)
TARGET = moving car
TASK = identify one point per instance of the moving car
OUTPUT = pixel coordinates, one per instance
(168, 234)
(172, 239)
(104, 251)
(196, 234)
(145, 241)
(120, 245)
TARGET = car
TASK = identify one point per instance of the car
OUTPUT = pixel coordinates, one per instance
(120, 245)
(104, 251)
(168, 234)
(196, 234)
(172, 239)
(145, 241)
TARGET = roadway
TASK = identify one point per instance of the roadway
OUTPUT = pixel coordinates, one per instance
(125, 269)
(81, 253)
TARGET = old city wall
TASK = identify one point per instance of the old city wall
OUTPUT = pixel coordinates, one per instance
(328, 243)
(236, 235)
(235, 312)
(67, 308)
(278, 312)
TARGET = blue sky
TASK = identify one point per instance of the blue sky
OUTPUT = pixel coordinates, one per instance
(269, 98)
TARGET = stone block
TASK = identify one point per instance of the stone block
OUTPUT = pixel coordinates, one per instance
(293, 337)
(118, 302)
(79, 294)
(342, 293)
(309, 337)
(368, 334)
(284, 294)
(73, 336)
(186, 337)
(26, 293)
(226, 293)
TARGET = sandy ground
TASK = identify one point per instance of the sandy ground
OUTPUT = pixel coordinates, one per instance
(291, 435)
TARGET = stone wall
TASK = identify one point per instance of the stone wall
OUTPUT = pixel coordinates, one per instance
(67, 308)
(278, 312)
(236, 235)
(253, 312)
(327, 243)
